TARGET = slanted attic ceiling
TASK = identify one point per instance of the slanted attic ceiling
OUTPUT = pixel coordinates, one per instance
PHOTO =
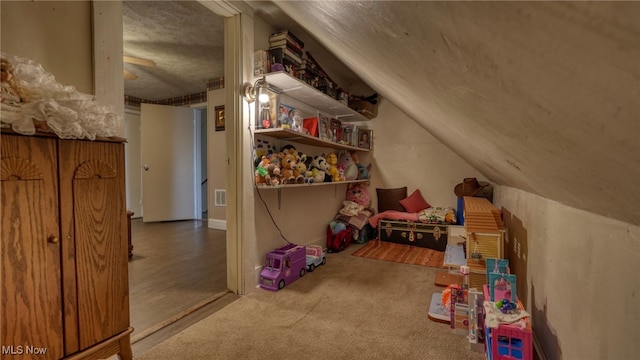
(539, 96)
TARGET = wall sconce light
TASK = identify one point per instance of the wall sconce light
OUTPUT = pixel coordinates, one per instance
(267, 96)
(258, 89)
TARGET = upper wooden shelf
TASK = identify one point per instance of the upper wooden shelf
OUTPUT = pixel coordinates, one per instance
(305, 139)
(302, 91)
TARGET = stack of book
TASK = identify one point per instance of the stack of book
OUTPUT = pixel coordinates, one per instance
(286, 49)
(312, 74)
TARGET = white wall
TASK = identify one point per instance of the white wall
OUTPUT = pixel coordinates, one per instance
(582, 276)
(405, 154)
(216, 155)
(133, 162)
(55, 34)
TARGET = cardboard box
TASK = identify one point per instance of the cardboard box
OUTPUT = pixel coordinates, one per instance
(365, 108)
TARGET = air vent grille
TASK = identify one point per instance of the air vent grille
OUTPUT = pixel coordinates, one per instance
(221, 197)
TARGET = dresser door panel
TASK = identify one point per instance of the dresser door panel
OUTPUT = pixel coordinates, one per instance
(94, 176)
(31, 282)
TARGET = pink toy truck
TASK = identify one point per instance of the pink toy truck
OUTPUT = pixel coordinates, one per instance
(283, 266)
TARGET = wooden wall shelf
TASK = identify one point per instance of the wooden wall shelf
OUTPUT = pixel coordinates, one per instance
(302, 91)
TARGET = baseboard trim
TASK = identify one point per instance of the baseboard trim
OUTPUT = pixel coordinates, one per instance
(538, 348)
(217, 224)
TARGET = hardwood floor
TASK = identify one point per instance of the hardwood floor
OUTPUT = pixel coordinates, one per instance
(177, 268)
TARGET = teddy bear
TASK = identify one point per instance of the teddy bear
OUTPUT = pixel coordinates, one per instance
(289, 173)
(320, 167)
(345, 160)
(273, 174)
(332, 160)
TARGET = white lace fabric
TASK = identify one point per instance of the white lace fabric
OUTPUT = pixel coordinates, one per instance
(34, 100)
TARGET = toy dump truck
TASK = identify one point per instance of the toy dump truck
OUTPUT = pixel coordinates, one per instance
(315, 257)
(283, 266)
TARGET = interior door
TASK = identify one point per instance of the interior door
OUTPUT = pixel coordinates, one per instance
(167, 143)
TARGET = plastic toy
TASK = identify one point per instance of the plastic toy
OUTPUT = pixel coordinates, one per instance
(283, 266)
(332, 160)
(315, 257)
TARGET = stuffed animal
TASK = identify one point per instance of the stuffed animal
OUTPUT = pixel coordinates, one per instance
(317, 175)
(359, 194)
(289, 173)
(263, 148)
(345, 160)
(301, 157)
(341, 176)
(262, 170)
(332, 160)
(320, 167)
(363, 172)
(273, 174)
(307, 175)
(289, 149)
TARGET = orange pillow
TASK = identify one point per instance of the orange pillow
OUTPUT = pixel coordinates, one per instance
(415, 202)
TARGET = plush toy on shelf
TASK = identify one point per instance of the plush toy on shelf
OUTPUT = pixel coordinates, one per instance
(332, 160)
(262, 170)
(307, 175)
(320, 168)
(273, 174)
(363, 171)
(346, 161)
(289, 173)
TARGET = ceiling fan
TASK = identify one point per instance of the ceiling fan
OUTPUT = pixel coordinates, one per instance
(137, 61)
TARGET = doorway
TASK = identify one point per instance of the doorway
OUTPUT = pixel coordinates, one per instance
(177, 266)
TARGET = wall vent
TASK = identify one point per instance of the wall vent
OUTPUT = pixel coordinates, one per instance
(221, 197)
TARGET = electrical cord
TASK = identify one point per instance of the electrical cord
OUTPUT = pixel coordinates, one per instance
(253, 151)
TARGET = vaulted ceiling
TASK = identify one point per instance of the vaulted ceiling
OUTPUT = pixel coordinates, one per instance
(539, 96)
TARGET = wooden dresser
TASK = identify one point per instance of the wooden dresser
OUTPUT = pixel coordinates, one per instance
(64, 281)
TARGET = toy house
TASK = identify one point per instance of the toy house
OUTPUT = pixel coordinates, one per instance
(507, 341)
(484, 237)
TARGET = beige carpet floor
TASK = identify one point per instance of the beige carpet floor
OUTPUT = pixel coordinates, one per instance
(350, 308)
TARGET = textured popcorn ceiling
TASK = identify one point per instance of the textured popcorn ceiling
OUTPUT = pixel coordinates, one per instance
(184, 38)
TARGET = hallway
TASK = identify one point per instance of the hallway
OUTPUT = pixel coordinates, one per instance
(176, 268)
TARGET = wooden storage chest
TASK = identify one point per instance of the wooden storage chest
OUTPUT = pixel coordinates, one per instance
(432, 236)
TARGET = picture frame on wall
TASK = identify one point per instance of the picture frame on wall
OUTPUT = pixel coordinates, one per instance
(219, 118)
(348, 134)
(365, 137)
